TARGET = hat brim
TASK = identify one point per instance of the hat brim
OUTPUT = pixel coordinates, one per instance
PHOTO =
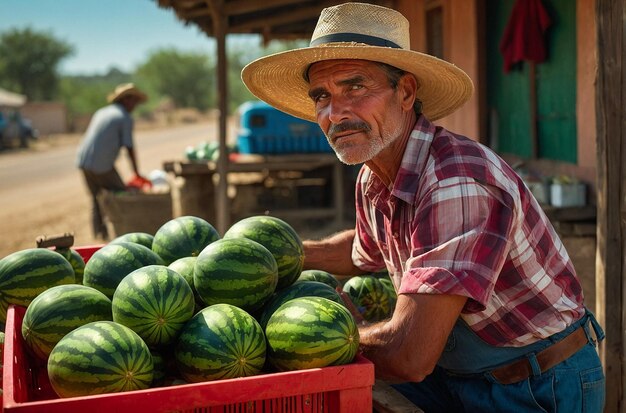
(278, 79)
(134, 92)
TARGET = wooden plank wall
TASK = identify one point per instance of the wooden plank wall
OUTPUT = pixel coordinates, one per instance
(611, 167)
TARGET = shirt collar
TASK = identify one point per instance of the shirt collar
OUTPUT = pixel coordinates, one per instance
(413, 162)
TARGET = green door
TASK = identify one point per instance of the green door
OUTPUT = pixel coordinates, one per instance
(509, 95)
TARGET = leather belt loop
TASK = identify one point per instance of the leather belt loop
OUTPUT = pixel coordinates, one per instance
(534, 365)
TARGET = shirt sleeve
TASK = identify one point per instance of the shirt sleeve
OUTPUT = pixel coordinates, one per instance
(459, 241)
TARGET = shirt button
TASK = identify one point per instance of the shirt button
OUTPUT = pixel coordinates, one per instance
(395, 235)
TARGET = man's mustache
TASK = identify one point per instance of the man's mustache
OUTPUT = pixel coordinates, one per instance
(347, 126)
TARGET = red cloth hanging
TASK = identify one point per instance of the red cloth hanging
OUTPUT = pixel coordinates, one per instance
(523, 37)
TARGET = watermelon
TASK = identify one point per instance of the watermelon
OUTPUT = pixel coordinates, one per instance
(78, 263)
(184, 236)
(221, 341)
(141, 238)
(319, 275)
(277, 236)
(27, 273)
(235, 271)
(311, 332)
(185, 266)
(59, 310)
(391, 290)
(111, 263)
(299, 289)
(100, 357)
(159, 368)
(370, 297)
(155, 302)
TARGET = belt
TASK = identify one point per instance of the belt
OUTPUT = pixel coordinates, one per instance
(546, 358)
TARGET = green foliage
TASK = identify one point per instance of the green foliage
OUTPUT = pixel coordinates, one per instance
(187, 78)
(83, 95)
(29, 60)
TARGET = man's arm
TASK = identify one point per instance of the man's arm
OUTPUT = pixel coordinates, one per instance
(133, 160)
(332, 254)
(408, 346)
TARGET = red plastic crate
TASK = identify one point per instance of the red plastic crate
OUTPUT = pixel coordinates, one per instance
(336, 389)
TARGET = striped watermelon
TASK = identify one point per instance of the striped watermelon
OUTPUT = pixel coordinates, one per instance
(59, 310)
(299, 289)
(27, 273)
(184, 236)
(319, 275)
(221, 341)
(277, 236)
(97, 358)
(155, 302)
(185, 266)
(76, 260)
(370, 297)
(111, 263)
(388, 284)
(141, 238)
(236, 271)
(311, 332)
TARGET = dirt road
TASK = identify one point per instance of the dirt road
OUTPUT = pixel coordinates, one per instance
(42, 192)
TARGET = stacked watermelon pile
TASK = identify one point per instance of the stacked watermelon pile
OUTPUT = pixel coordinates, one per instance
(183, 305)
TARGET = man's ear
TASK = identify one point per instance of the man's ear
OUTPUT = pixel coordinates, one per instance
(408, 86)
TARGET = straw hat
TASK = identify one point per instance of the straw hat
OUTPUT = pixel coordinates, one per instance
(126, 89)
(357, 31)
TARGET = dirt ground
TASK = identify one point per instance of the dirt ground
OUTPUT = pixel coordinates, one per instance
(42, 192)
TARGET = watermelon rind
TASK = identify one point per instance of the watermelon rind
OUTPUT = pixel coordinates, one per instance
(155, 302)
(141, 238)
(27, 273)
(97, 358)
(235, 271)
(59, 310)
(184, 236)
(373, 300)
(185, 267)
(311, 332)
(319, 275)
(221, 341)
(296, 290)
(111, 263)
(279, 238)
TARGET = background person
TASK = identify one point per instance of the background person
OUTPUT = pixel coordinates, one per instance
(110, 129)
(490, 314)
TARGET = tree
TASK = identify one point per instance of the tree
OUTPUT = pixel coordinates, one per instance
(187, 78)
(29, 60)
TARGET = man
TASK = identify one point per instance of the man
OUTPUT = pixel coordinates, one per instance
(490, 314)
(110, 129)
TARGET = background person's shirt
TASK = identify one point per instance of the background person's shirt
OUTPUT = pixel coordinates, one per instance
(110, 129)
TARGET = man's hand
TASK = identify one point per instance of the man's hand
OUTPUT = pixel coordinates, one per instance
(358, 317)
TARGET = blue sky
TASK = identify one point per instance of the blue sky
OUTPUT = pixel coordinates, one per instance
(104, 33)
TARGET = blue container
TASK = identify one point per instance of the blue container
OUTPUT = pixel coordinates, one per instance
(266, 130)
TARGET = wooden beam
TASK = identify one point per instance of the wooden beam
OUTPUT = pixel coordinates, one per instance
(253, 6)
(611, 183)
(301, 13)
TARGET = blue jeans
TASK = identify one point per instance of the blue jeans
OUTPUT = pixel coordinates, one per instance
(575, 385)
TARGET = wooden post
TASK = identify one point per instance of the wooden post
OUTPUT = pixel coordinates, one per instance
(611, 174)
(220, 25)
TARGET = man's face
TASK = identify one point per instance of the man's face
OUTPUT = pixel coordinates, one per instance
(356, 107)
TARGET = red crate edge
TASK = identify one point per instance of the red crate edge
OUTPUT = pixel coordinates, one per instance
(348, 387)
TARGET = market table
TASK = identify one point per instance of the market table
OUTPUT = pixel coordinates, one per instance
(193, 183)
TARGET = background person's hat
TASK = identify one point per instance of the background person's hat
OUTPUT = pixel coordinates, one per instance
(126, 89)
(357, 31)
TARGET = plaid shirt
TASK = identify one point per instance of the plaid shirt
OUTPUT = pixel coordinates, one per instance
(458, 220)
